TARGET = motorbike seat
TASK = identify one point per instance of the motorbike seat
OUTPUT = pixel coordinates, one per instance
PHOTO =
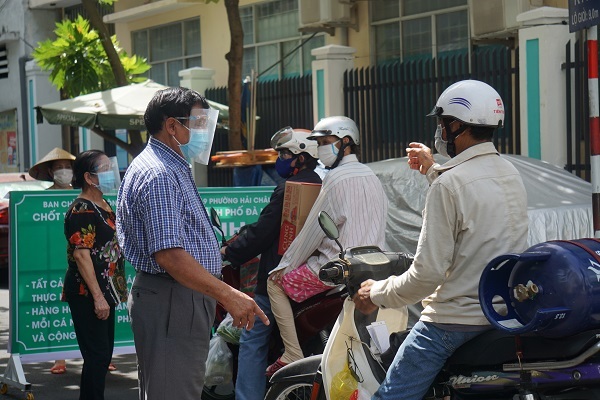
(495, 347)
(335, 291)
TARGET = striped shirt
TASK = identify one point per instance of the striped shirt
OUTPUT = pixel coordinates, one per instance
(354, 198)
(158, 208)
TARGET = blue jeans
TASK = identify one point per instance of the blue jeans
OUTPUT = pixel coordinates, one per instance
(419, 360)
(251, 381)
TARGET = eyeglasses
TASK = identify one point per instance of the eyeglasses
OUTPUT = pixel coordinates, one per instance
(352, 366)
(440, 122)
(196, 121)
(285, 154)
(101, 168)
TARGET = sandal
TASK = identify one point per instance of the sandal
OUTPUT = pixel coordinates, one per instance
(276, 366)
(58, 369)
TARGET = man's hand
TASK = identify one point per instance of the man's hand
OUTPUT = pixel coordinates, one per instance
(223, 250)
(243, 310)
(188, 272)
(362, 299)
(419, 157)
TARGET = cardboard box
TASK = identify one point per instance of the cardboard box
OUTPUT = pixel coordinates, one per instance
(298, 199)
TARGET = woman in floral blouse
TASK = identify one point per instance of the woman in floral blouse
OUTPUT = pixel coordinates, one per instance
(95, 279)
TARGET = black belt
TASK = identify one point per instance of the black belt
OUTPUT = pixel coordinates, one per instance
(163, 275)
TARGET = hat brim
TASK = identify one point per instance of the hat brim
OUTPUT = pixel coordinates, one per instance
(316, 134)
(41, 170)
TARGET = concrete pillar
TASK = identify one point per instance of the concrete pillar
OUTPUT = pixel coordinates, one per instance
(542, 40)
(328, 79)
(198, 79)
(42, 137)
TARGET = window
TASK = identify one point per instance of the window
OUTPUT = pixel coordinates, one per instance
(409, 29)
(270, 33)
(169, 49)
(3, 62)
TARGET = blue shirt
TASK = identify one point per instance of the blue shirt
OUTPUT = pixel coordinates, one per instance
(158, 208)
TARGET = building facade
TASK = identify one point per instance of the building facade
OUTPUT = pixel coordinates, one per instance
(279, 36)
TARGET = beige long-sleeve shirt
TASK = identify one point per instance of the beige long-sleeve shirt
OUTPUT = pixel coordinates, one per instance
(475, 211)
(354, 198)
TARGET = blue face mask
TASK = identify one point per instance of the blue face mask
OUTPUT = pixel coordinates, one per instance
(106, 181)
(199, 142)
(284, 167)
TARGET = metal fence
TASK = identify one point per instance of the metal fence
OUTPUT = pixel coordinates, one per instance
(577, 109)
(389, 102)
(279, 103)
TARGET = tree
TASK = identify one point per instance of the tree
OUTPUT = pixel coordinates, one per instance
(85, 60)
(234, 58)
(123, 68)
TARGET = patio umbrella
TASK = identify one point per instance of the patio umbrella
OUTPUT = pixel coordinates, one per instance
(119, 108)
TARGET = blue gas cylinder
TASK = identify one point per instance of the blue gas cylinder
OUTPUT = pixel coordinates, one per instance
(553, 288)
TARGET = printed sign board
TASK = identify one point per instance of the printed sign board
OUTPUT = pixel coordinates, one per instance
(583, 14)
(40, 324)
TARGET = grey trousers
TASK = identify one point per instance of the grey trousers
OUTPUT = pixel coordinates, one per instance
(171, 328)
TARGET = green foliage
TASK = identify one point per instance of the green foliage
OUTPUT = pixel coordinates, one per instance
(77, 61)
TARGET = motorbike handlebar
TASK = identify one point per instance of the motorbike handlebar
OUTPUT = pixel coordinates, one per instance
(331, 272)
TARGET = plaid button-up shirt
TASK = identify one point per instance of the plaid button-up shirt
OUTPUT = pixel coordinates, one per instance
(159, 207)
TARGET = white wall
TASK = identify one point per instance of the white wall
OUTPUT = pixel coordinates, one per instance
(544, 26)
(20, 30)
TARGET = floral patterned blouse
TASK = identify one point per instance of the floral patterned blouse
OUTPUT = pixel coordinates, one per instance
(88, 226)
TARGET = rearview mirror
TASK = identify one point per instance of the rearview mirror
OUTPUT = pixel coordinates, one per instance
(330, 229)
(328, 226)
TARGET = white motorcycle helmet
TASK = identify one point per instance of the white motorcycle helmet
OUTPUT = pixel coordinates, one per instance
(294, 140)
(471, 102)
(339, 126)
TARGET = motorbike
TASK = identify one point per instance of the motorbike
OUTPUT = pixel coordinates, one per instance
(314, 318)
(496, 365)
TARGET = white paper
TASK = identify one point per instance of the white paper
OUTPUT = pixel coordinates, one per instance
(379, 335)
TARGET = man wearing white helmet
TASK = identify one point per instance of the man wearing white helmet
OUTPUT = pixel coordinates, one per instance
(353, 196)
(296, 163)
(476, 209)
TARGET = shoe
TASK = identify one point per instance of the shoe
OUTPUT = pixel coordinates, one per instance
(276, 366)
(58, 369)
(112, 367)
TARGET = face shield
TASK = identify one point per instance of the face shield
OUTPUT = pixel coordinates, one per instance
(281, 137)
(108, 176)
(202, 124)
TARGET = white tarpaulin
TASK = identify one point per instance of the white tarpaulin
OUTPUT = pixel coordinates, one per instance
(559, 203)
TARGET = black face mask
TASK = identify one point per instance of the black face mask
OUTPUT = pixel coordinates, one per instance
(450, 136)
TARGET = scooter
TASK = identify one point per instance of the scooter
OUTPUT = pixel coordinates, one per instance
(314, 318)
(496, 365)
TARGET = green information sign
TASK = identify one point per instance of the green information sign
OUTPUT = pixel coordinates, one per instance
(41, 327)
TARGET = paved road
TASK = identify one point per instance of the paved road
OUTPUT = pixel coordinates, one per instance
(120, 384)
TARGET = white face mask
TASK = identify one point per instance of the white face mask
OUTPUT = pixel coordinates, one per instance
(328, 153)
(440, 144)
(63, 176)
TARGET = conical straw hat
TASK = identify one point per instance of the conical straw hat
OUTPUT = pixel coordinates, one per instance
(40, 170)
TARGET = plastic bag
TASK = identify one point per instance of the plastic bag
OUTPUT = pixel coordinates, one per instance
(228, 332)
(343, 385)
(219, 363)
(335, 353)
